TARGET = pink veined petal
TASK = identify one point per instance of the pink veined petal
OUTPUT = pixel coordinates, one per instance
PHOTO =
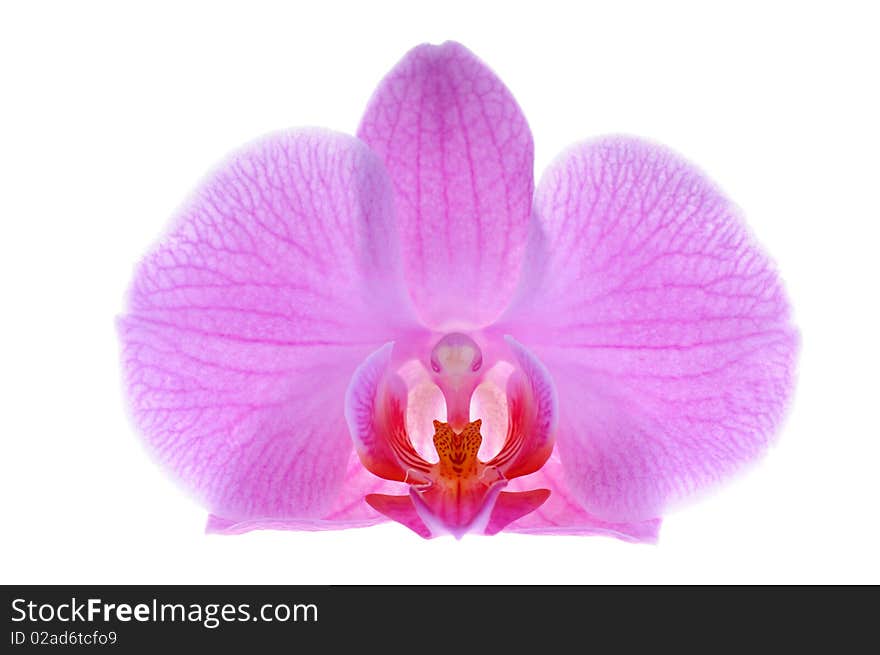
(247, 320)
(665, 327)
(563, 514)
(218, 525)
(348, 510)
(460, 156)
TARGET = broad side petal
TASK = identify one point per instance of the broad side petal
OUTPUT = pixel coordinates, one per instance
(348, 510)
(247, 320)
(563, 513)
(664, 325)
(460, 155)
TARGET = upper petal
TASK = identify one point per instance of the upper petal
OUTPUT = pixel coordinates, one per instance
(246, 321)
(460, 156)
(664, 325)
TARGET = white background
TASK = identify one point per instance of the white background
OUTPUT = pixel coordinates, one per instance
(111, 112)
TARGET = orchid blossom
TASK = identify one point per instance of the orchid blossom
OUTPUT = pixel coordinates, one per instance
(338, 331)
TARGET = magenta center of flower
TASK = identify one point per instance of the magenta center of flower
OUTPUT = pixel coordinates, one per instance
(460, 492)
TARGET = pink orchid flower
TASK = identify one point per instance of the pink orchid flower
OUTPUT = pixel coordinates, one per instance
(342, 330)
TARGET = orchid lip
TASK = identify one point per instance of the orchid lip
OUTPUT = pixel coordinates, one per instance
(458, 493)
